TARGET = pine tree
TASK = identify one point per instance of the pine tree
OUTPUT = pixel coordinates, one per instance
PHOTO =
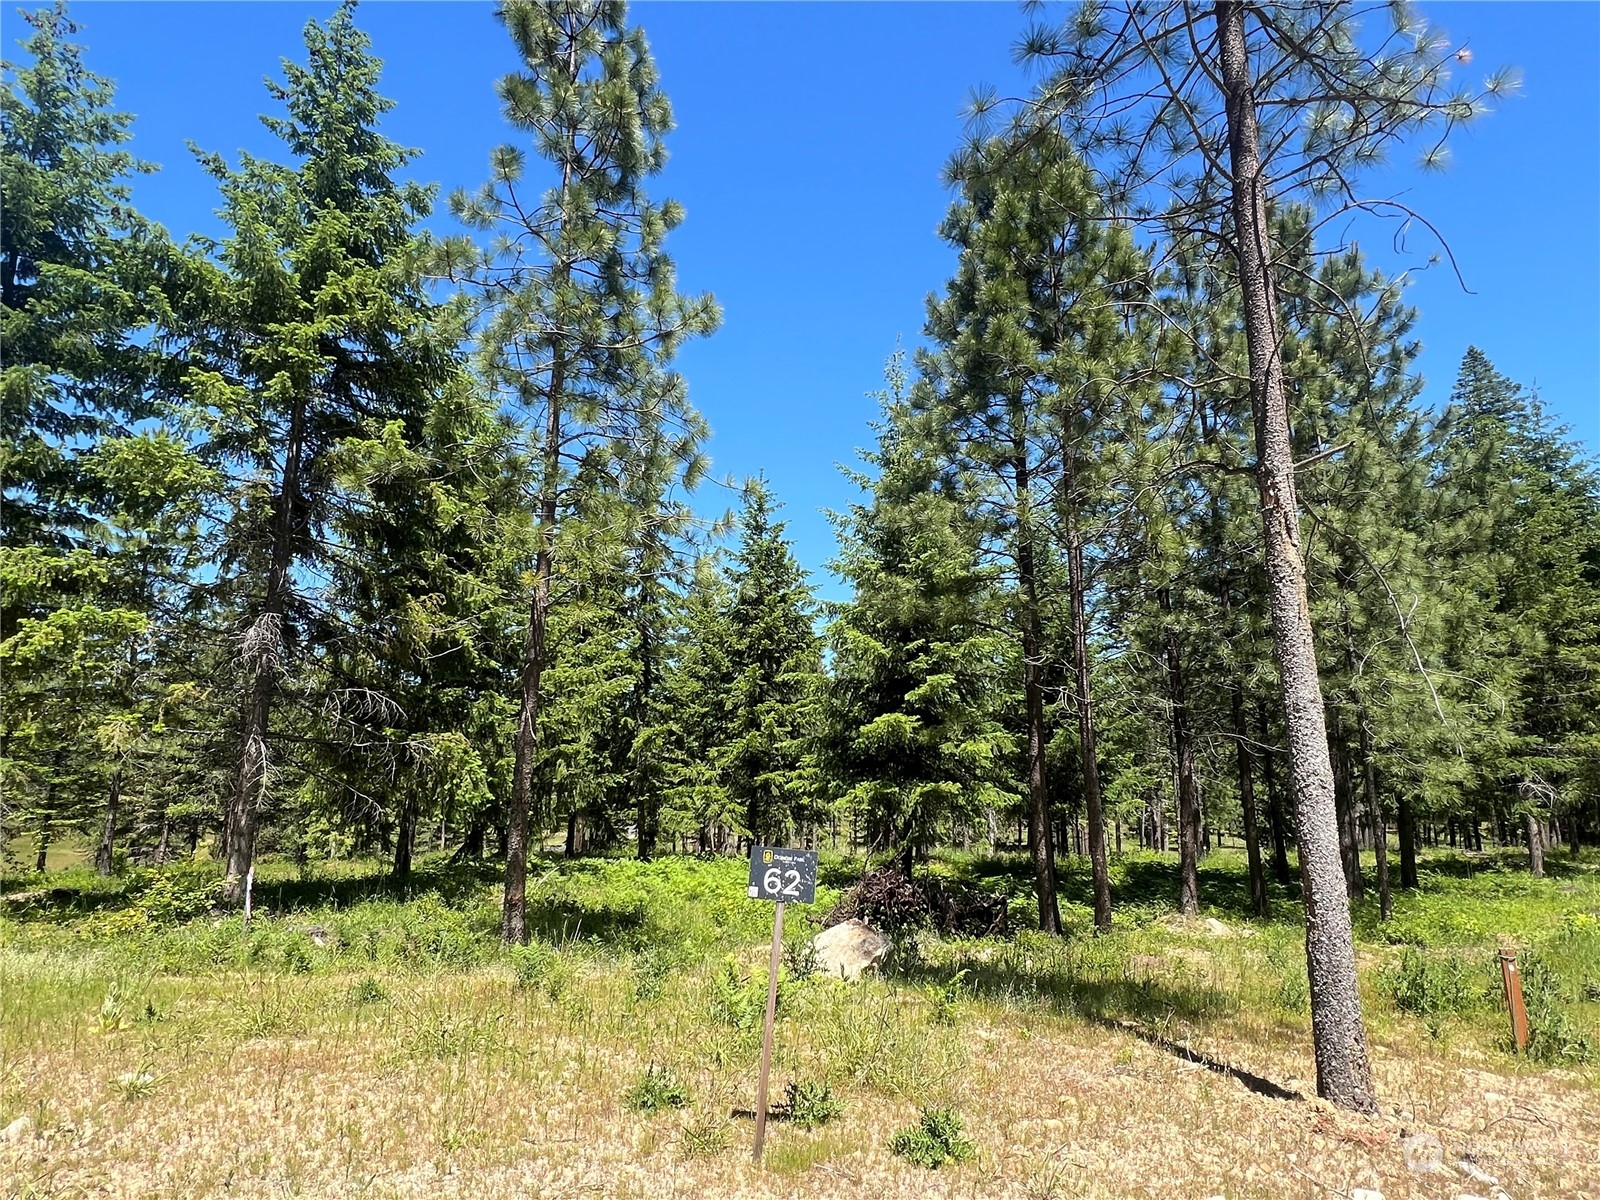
(1198, 120)
(775, 667)
(911, 733)
(312, 327)
(577, 297)
(1035, 363)
(1518, 507)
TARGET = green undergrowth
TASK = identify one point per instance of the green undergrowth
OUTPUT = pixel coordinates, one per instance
(681, 931)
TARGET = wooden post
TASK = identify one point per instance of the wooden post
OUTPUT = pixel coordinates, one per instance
(766, 1034)
(1512, 978)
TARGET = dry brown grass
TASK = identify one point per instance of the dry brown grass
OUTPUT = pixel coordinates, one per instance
(465, 1085)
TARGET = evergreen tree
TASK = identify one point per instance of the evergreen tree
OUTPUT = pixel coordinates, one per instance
(1034, 357)
(774, 664)
(911, 733)
(577, 297)
(1198, 121)
(1518, 515)
(311, 328)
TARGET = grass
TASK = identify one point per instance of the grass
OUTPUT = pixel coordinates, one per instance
(363, 1040)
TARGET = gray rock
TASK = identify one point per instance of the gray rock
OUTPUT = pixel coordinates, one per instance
(849, 949)
(17, 1131)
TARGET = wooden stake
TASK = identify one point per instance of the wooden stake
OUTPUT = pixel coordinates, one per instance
(766, 1035)
(1512, 978)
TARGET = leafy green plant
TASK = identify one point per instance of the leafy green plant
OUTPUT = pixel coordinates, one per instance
(656, 1089)
(736, 1001)
(811, 1103)
(531, 963)
(1431, 987)
(947, 996)
(800, 960)
(368, 990)
(1553, 1035)
(935, 1139)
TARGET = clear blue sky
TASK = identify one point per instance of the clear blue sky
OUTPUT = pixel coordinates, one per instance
(808, 154)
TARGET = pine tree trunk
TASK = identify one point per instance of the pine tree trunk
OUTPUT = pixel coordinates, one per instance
(166, 839)
(1349, 851)
(108, 834)
(1406, 829)
(44, 843)
(405, 837)
(1040, 837)
(649, 803)
(1344, 1074)
(1247, 805)
(1535, 845)
(1275, 815)
(1086, 739)
(1183, 750)
(1380, 829)
(263, 659)
(513, 917)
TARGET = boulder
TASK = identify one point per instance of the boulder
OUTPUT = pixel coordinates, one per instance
(848, 949)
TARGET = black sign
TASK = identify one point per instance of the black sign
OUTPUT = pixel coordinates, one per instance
(789, 876)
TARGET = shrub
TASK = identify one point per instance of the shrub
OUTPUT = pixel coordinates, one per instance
(656, 1089)
(531, 963)
(811, 1104)
(935, 1139)
(368, 991)
(1435, 987)
(1553, 1035)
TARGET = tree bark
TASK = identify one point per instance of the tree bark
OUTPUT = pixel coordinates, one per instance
(405, 836)
(1535, 832)
(1247, 805)
(513, 916)
(1344, 1074)
(263, 659)
(1183, 752)
(166, 839)
(1040, 841)
(1380, 829)
(1349, 852)
(108, 834)
(1086, 740)
(1406, 829)
(649, 804)
(1275, 815)
(44, 843)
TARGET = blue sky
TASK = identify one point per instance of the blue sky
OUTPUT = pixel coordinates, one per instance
(808, 154)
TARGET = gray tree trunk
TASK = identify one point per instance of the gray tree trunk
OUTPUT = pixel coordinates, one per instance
(1247, 805)
(1535, 845)
(262, 654)
(1344, 1074)
(1183, 753)
(108, 834)
(1040, 833)
(1086, 739)
(1380, 828)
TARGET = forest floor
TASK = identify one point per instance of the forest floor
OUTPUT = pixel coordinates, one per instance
(356, 1041)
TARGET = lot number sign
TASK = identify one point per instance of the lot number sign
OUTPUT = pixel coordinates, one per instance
(787, 876)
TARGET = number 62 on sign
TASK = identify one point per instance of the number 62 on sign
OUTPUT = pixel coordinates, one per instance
(778, 873)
